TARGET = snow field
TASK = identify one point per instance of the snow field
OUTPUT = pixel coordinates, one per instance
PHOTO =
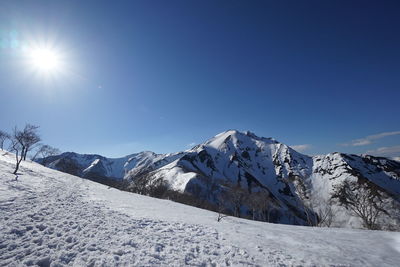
(48, 218)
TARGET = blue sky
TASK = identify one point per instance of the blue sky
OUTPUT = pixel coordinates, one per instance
(160, 75)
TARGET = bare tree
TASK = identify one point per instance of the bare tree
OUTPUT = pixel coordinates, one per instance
(261, 205)
(140, 184)
(45, 151)
(253, 203)
(303, 200)
(394, 215)
(265, 205)
(3, 137)
(362, 201)
(312, 218)
(22, 142)
(16, 147)
(28, 138)
(236, 195)
(221, 209)
(325, 214)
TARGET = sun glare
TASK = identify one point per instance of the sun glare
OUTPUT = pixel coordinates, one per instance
(45, 59)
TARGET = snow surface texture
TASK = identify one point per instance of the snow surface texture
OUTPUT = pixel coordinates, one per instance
(49, 218)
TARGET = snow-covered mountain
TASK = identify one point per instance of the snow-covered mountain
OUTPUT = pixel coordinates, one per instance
(96, 167)
(297, 186)
(49, 218)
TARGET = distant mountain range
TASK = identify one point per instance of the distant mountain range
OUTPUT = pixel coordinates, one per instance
(299, 188)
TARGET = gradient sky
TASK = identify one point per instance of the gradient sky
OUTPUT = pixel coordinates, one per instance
(161, 75)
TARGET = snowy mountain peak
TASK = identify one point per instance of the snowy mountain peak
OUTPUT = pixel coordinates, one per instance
(237, 137)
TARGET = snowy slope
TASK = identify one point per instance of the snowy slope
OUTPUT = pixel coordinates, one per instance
(51, 218)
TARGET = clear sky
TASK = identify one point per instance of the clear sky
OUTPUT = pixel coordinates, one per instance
(161, 75)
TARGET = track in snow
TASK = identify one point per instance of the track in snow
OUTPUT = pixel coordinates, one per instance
(56, 227)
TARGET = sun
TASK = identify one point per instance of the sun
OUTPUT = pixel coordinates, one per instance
(45, 59)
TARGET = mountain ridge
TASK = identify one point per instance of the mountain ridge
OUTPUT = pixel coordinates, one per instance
(296, 185)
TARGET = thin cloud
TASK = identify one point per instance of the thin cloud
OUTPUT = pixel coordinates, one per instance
(301, 148)
(390, 151)
(370, 139)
